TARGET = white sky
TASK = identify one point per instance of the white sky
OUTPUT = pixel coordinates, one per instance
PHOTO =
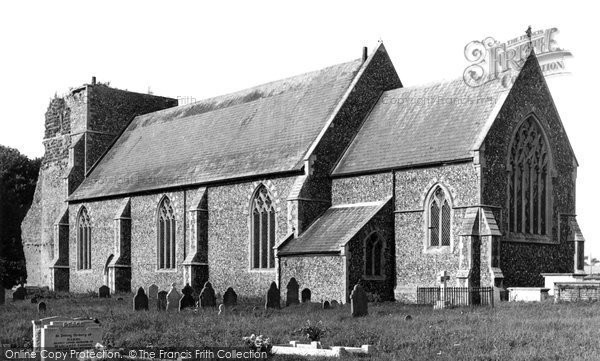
(198, 49)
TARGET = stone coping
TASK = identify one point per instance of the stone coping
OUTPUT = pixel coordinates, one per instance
(576, 284)
(539, 289)
(295, 348)
(564, 274)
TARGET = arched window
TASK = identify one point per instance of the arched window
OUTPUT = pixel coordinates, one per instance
(439, 218)
(84, 240)
(166, 235)
(528, 180)
(262, 229)
(374, 256)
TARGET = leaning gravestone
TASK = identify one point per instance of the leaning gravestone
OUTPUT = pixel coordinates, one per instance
(104, 292)
(41, 307)
(230, 298)
(173, 298)
(305, 295)
(292, 292)
(359, 302)
(19, 294)
(153, 292)
(2, 295)
(161, 301)
(65, 334)
(273, 297)
(207, 296)
(187, 300)
(140, 301)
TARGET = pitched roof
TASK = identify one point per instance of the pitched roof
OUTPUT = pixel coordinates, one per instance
(424, 124)
(333, 229)
(262, 130)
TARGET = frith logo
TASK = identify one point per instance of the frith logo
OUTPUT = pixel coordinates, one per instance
(494, 61)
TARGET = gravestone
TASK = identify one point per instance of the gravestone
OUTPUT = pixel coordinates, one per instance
(273, 298)
(292, 292)
(305, 295)
(152, 292)
(187, 300)
(221, 309)
(207, 296)
(359, 302)
(173, 298)
(104, 292)
(326, 305)
(334, 304)
(140, 301)
(41, 307)
(230, 298)
(19, 294)
(65, 333)
(2, 295)
(161, 301)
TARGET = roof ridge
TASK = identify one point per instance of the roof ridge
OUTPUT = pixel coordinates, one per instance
(446, 82)
(248, 94)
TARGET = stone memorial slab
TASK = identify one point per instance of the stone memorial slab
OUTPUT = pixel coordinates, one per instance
(104, 292)
(292, 292)
(187, 300)
(207, 296)
(326, 305)
(305, 295)
(140, 301)
(359, 302)
(161, 301)
(153, 292)
(230, 298)
(173, 298)
(41, 307)
(273, 298)
(19, 294)
(67, 336)
(38, 325)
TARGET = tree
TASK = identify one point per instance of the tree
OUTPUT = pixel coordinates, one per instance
(18, 177)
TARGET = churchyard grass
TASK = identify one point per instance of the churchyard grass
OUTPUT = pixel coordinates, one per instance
(510, 331)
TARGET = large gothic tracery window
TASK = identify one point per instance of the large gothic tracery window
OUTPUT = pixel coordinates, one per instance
(439, 218)
(84, 240)
(263, 229)
(528, 181)
(166, 235)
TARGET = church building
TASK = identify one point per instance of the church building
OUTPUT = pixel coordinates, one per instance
(334, 177)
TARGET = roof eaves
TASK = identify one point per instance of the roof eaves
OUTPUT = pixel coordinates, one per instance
(466, 159)
(289, 254)
(75, 198)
